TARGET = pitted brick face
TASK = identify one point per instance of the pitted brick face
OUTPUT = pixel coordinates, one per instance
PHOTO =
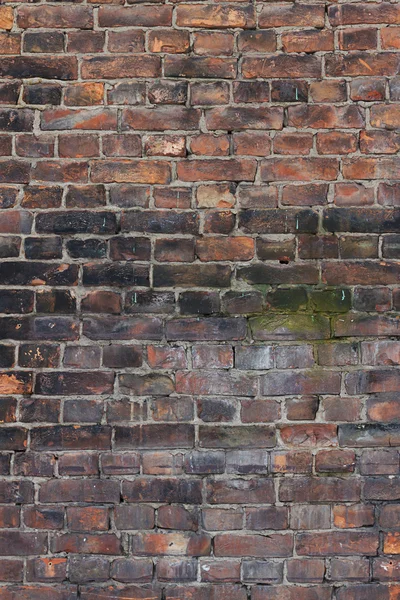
(199, 300)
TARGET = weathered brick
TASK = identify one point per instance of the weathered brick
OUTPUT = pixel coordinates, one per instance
(319, 490)
(224, 592)
(305, 571)
(155, 436)
(351, 569)
(220, 571)
(257, 571)
(274, 545)
(337, 543)
(353, 516)
(267, 518)
(215, 17)
(281, 66)
(210, 329)
(212, 382)
(70, 383)
(369, 435)
(199, 67)
(308, 382)
(55, 16)
(212, 191)
(171, 544)
(308, 41)
(217, 44)
(360, 63)
(22, 543)
(303, 516)
(232, 437)
(128, 570)
(83, 543)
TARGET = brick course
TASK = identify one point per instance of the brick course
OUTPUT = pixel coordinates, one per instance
(199, 298)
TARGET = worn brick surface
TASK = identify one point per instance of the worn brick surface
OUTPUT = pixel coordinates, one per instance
(199, 300)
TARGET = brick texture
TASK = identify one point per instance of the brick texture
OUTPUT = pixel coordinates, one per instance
(199, 300)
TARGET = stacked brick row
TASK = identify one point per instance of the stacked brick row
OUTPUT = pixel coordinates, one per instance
(199, 298)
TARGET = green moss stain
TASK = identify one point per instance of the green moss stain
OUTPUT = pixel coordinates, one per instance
(299, 312)
(334, 300)
(277, 326)
(291, 299)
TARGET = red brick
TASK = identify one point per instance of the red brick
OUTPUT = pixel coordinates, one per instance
(88, 518)
(205, 592)
(293, 143)
(63, 17)
(86, 543)
(304, 169)
(336, 143)
(168, 41)
(254, 144)
(171, 544)
(136, 16)
(215, 519)
(47, 569)
(291, 593)
(200, 66)
(132, 570)
(308, 41)
(209, 93)
(11, 570)
(243, 118)
(211, 145)
(360, 64)
(283, 15)
(220, 571)
(337, 543)
(281, 66)
(309, 435)
(358, 39)
(215, 249)
(390, 38)
(319, 490)
(120, 66)
(6, 17)
(257, 41)
(328, 91)
(157, 145)
(214, 44)
(217, 357)
(126, 171)
(73, 490)
(368, 89)
(83, 94)
(217, 170)
(215, 17)
(346, 517)
(351, 569)
(363, 13)
(126, 41)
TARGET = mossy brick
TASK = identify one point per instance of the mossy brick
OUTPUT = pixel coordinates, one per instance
(287, 299)
(335, 300)
(276, 326)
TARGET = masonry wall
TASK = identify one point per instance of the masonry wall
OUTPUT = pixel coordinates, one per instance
(200, 393)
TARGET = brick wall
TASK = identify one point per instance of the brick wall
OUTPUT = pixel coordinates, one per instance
(199, 295)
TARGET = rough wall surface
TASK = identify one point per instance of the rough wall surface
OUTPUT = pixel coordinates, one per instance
(199, 295)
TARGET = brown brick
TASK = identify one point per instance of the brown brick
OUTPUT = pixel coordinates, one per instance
(337, 543)
(215, 17)
(275, 545)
